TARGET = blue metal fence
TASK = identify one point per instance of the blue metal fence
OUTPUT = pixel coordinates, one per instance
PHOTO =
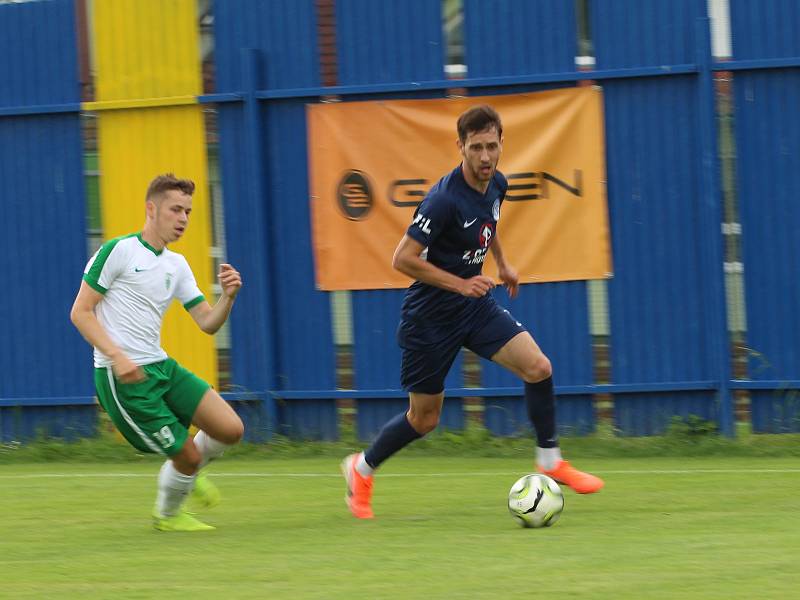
(46, 384)
(768, 157)
(668, 339)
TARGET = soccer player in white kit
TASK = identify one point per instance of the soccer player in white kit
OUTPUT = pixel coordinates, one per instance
(127, 287)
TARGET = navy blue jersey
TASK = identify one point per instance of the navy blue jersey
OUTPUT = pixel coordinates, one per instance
(457, 224)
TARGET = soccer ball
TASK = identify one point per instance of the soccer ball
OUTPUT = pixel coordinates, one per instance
(535, 501)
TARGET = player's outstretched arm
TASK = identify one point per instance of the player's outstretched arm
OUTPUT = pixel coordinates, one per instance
(209, 318)
(407, 260)
(83, 317)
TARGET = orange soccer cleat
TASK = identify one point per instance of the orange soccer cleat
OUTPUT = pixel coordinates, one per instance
(359, 489)
(565, 473)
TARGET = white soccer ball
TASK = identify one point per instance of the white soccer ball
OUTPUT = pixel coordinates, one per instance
(535, 501)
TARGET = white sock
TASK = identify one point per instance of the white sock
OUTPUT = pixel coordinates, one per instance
(362, 467)
(548, 458)
(209, 448)
(173, 487)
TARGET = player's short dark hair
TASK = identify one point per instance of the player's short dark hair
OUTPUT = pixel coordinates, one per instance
(166, 182)
(476, 119)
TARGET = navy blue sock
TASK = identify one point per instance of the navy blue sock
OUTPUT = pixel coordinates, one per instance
(395, 435)
(542, 412)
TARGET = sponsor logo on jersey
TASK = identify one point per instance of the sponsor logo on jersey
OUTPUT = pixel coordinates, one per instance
(477, 256)
(474, 257)
(468, 223)
(486, 235)
(422, 222)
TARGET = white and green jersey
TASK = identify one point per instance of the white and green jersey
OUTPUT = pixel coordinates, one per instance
(138, 283)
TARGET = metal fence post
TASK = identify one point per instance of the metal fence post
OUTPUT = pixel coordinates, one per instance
(260, 206)
(711, 225)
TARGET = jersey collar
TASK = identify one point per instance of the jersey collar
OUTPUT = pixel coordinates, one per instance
(148, 246)
(467, 186)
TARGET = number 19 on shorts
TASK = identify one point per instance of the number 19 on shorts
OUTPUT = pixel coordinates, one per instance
(164, 437)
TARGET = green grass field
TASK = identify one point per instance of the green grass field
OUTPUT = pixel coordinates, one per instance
(662, 528)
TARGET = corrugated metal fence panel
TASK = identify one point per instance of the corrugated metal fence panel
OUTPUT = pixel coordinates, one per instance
(376, 354)
(765, 29)
(285, 35)
(389, 41)
(28, 423)
(632, 33)
(251, 350)
(768, 159)
(39, 50)
(305, 335)
(284, 30)
(658, 330)
(276, 244)
(517, 37)
(145, 48)
(43, 252)
(42, 234)
(657, 327)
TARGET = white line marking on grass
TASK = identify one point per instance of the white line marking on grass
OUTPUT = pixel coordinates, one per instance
(384, 475)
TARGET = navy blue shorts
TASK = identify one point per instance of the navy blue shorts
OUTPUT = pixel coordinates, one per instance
(429, 354)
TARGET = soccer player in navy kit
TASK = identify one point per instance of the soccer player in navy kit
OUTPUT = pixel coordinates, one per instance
(449, 306)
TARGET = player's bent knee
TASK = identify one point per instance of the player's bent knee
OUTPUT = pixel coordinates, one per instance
(188, 460)
(538, 370)
(233, 432)
(424, 423)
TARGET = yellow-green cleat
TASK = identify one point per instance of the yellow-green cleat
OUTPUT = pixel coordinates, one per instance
(205, 494)
(183, 521)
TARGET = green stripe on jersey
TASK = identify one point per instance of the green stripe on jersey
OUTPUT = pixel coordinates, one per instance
(93, 276)
(192, 303)
(94, 285)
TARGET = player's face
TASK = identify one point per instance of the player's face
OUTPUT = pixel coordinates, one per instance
(172, 215)
(481, 152)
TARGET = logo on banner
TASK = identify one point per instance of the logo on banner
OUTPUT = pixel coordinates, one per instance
(355, 195)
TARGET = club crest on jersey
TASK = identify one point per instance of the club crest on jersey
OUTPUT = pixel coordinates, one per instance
(486, 234)
(168, 281)
(496, 209)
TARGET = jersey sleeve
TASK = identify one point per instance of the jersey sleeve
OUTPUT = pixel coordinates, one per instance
(105, 266)
(187, 291)
(502, 184)
(430, 219)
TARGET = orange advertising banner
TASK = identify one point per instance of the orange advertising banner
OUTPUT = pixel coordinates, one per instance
(371, 164)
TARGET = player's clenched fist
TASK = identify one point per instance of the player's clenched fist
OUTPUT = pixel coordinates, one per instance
(230, 279)
(477, 287)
